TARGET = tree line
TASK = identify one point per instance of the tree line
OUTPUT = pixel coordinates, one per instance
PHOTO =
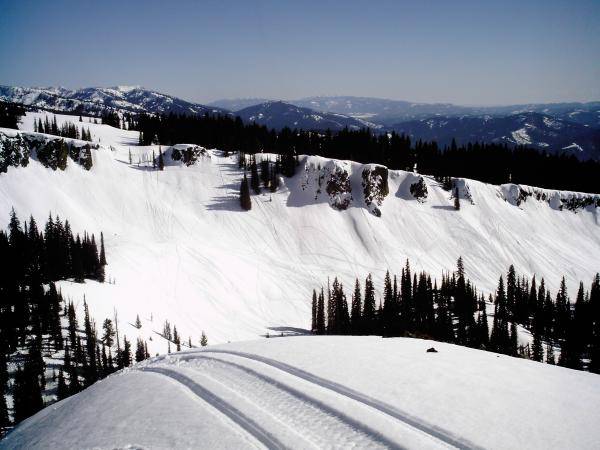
(67, 129)
(10, 114)
(456, 312)
(488, 162)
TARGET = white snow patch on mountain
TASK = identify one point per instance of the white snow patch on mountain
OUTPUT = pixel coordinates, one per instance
(573, 146)
(520, 136)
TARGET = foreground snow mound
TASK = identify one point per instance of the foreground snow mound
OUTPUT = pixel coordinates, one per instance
(303, 392)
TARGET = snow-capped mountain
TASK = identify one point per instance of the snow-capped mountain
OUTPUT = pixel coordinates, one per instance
(532, 129)
(277, 114)
(95, 100)
(326, 392)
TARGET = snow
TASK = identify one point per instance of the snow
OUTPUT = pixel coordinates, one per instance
(327, 392)
(573, 146)
(180, 248)
(521, 137)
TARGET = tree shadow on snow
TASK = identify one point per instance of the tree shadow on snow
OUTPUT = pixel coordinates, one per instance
(286, 331)
(444, 207)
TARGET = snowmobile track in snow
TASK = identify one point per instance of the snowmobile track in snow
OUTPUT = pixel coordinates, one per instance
(233, 413)
(430, 430)
(306, 415)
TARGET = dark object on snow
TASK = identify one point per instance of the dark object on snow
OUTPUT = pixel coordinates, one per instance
(431, 350)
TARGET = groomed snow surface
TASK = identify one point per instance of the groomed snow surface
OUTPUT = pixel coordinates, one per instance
(326, 392)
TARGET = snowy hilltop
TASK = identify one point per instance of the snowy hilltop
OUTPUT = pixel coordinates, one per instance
(326, 392)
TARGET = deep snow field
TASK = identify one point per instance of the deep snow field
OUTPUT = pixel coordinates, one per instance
(180, 248)
(326, 392)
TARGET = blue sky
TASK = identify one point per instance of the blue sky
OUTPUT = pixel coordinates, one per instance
(466, 52)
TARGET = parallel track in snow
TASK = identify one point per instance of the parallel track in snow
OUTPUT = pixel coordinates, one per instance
(244, 422)
(432, 431)
(303, 419)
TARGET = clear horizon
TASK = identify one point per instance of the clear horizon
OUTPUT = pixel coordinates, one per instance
(465, 53)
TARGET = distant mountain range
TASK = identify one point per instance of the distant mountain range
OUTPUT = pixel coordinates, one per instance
(276, 114)
(533, 129)
(94, 100)
(555, 127)
(389, 112)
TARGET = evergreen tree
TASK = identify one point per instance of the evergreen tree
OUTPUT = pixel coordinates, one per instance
(456, 199)
(203, 340)
(369, 316)
(161, 161)
(254, 179)
(245, 200)
(126, 353)
(109, 333)
(138, 322)
(140, 351)
(550, 354)
(102, 253)
(389, 307)
(356, 310)
(62, 391)
(313, 323)
(321, 313)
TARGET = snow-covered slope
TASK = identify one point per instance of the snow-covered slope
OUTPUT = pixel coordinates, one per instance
(180, 248)
(327, 392)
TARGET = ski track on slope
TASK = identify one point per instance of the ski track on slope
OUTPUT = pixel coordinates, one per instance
(430, 430)
(228, 410)
(311, 419)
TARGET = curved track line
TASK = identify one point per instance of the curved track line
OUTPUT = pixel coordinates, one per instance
(307, 399)
(233, 413)
(385, 408)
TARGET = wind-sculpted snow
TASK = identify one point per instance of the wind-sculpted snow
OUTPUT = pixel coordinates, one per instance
(326, 392)
(180, 248)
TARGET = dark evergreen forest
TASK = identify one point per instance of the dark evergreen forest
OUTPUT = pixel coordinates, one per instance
(37, 323)
(455, 312)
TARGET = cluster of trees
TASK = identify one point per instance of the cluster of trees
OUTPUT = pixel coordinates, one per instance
(268, 176)
(172, 336)
(67, 129)
(49, 255)
(455, 312)
(493, 163)
(30, 308)
(89, 358)
(10, 114)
